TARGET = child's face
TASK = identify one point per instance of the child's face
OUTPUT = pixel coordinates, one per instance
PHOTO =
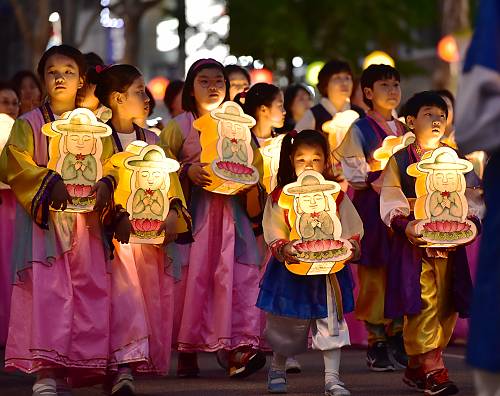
(429, 125)
(30, 93)
(150, 178)
(312, 202)
(9, 104)
(339, 86)
(209, 89)
(445, 180)
(62, 78)
(301, 103)
(136, 102)
(308, 157)
(385, 94)
(237, 83)
(80, 143)
(275, 113)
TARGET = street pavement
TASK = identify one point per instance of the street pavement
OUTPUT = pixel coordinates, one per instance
(213, 381)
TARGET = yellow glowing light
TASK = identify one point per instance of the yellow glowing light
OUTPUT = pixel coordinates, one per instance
(312, 72)
(447, 49)
(157, 87)
(378, 58)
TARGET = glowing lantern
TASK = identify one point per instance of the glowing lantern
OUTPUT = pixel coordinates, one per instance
(312, 72)
(261, 75)
(157, 86)
(316, 228)
(378, 58)
(75, 150)
(225, 140)
(447, 49)
(338, 126)
(270, 152)
(6, 123)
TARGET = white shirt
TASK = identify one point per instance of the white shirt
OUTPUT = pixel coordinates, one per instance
(308, 121)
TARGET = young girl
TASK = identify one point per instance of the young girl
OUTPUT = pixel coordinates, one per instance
(239, 79)
(59, 323)
(219, 287)
(294, 304)
(298, 99)
(28, 89)
(142, 290)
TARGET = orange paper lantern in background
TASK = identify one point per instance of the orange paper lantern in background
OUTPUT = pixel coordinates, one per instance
(447, 49)
(157, 86)
(261, 75)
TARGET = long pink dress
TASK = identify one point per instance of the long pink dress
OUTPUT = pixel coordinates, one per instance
(216, 298)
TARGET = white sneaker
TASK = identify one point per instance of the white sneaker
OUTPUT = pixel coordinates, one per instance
(332, 389)
(293, 366)
(45, 387)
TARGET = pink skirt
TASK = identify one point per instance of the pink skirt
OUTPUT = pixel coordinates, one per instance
(60, 309)
(7, 220)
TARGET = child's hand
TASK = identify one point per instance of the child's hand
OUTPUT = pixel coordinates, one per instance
(169, 227)
(198, 175)
(289, 253)
(102, 195)
(412, 234)
(123, 230)
(59, 196)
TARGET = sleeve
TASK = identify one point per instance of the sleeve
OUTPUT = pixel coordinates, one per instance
(306, 122)
(393, 203)
(352, 225)
(31, 184)
(276, 231)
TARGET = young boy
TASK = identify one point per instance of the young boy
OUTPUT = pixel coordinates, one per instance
(434, 283)
(335, 86)
(382, 93)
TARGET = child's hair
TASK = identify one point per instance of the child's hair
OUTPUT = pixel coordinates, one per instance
(152, 101)
(188, 100)
(64, 50)
(173, 89)
(260, 94)
(374, 73)
(448, 94)
(7, 86)
(93, 60)
(116, 78)
(230, 69)
(290, 144)
(18, 78)
(290, 93)
(421, 99)
(330, 68)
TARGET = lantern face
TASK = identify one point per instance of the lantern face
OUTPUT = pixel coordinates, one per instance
(391, 145)
(338, 126)
(270, 152)
(441, 203)
(143, 189)
(312, 212)
(6, 123)
(75, 150)
(225, 139)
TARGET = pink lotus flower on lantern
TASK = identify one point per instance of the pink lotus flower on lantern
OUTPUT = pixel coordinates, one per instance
(146, 225)
(318, 245)
(235, 167)
(78, 190)
(446, 226)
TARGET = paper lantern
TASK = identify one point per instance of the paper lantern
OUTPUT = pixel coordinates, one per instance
(6, 123)
(312, 72)
(261, 75)
(225, 140)
(441, 204)
(143, 189)
(338, 126)
(270, 152)
(157, 86)
(75, 150)
(391, 145)
(447, 49)
(378, 58)
(312, 213)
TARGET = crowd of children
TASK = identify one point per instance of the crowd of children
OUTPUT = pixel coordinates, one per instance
(88, 306)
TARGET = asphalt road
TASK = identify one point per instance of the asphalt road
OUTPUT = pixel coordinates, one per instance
(213, 381)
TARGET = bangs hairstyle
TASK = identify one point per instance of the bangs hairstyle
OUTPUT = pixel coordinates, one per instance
(374, 73)
(230, 69)
(330, 68)
(423, 99)
(290, 93)
(188, 100)
(260, 94)
(116, 78)
(64, 50)
(18, 78)
(8, 86)
(291, 142)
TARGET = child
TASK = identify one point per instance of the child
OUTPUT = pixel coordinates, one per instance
(298, 99)
(142, 290)
(434, 283)
(59, 323)
(9, 101)
(382, 92)
(294, 304)
(173, 98)
(239, 80)
(222, 263)
(28, 89)
(335, 87)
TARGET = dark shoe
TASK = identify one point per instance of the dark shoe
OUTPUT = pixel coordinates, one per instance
(438, 383)
(245, 361)
(187, 365)
(414, 378)
(377, 357)
(123, 384)
(397, 353)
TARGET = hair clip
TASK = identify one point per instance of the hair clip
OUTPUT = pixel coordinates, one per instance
(100, 68)
(293, 133)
